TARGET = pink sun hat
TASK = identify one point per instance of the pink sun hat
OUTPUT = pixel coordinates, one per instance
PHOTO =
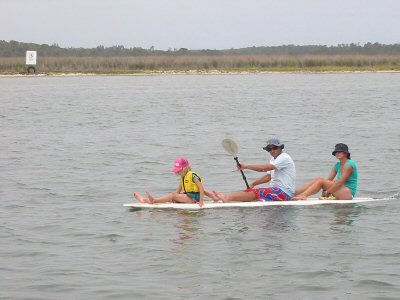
(180, 163)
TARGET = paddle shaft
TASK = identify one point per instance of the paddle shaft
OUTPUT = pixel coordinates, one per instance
(241, 171)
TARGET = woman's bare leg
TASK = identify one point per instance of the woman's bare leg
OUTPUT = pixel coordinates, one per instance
(314, 188)
(306, 186)
(344, 193)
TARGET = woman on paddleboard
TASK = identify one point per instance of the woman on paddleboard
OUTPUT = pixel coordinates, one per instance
(189, 190)
(345, 185)
(281, 175)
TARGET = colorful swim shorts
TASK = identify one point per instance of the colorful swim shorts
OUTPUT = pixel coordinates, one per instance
(271, 194)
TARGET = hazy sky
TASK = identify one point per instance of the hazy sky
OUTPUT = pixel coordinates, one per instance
(199, 24)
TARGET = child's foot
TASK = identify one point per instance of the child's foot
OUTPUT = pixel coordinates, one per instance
(139, 198)
(151, 198)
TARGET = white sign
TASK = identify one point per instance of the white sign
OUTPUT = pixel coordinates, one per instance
(31, 57)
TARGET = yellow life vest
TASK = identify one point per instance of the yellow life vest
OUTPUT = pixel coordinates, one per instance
(188, 185)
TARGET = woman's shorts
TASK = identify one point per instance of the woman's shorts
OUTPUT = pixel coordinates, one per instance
(194, 196)
(271, 194)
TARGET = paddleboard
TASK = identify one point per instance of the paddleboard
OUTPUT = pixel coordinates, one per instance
(209, 204)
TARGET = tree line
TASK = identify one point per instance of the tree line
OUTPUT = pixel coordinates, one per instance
(18, 49)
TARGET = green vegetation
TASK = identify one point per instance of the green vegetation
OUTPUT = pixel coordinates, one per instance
(119, 60)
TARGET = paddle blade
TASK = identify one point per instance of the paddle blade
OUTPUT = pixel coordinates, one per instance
(230, 146)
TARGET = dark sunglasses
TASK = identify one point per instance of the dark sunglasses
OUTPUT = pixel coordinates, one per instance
(270, 148)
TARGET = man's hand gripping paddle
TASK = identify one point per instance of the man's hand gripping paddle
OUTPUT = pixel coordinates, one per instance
(231, 147)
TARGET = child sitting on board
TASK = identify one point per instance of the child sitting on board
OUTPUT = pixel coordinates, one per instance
(189, 190)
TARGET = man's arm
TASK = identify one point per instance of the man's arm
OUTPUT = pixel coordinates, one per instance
(258, 168)
(264, 179)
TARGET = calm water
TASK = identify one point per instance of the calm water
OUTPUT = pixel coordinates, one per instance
(73, 149)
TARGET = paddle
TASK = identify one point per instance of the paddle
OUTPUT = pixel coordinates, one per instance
(231, 147)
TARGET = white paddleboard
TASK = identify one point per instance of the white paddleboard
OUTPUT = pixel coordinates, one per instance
(209, 204)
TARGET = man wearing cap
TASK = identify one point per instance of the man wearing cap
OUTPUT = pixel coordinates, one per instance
(280, 173)
(344, 187)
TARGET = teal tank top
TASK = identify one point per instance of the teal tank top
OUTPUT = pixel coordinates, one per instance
(352, 181)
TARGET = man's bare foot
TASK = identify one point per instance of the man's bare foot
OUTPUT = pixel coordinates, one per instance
(219, 196)
(151, 198)
(299, 197)
(140, 198)
(214, 197)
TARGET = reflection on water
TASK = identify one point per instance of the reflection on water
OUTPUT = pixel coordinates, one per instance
(187, 225)
(78, 146)
(278, 218)
(276, 222)
(184, 245)
(347, 215)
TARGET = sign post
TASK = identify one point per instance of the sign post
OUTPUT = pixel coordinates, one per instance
(31, 61)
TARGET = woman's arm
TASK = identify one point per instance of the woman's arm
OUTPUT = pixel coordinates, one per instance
(332, 175)
(338, 184)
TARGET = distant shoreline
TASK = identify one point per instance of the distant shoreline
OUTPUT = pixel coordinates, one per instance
(203, 64)
(191, 72)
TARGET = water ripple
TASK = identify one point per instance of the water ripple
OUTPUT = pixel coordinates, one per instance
(74, 149)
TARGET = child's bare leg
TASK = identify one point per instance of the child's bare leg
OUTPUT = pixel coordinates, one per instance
(182, 198)
(151, 198)
(162, 199)
(140, 198)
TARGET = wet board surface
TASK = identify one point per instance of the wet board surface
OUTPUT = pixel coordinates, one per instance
(209, 204)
